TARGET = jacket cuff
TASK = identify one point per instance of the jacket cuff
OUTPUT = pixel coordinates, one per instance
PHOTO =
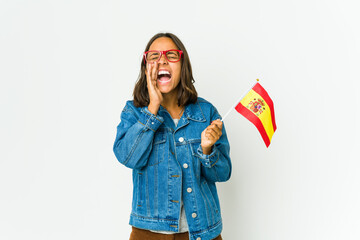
(151, 121)
(208, 160)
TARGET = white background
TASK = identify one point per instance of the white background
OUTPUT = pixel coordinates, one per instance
(67, 68)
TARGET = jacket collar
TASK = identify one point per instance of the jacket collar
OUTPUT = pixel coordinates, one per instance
(192, 112)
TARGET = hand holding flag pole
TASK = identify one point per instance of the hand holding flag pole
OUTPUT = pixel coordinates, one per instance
(257, 106)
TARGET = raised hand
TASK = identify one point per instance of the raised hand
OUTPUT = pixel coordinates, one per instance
(210, 135)
(155, 95)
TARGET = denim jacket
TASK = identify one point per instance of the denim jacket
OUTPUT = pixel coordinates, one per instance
(169, 167)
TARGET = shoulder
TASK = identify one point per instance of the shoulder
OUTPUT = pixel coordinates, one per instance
(129, 106)
(207, 107)
(205, 104)
(130, 110)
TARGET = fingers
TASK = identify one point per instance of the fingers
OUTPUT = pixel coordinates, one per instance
(217, 127)
(214, 132)
(154, 72)
(148, 71)
(151, 72)
(155, 94)
(211, 134)
(218, 123)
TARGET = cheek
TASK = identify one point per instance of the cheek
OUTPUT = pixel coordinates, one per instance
(177, 71)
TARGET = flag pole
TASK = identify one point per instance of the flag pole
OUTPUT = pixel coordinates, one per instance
(242, 96)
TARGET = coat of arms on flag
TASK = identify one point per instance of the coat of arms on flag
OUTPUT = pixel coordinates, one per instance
(258, 108)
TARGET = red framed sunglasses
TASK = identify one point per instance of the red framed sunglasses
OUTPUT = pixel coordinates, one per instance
(172, 55)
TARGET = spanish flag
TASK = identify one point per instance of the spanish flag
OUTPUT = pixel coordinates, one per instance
(258, 108)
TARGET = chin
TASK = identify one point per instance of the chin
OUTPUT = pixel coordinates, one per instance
(165, 90)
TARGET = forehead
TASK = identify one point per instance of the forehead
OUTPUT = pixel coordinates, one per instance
(162, 44)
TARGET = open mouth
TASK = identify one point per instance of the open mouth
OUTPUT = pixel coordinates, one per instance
(164, 76)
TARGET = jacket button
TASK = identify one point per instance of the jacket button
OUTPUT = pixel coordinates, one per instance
(185, 165)
(181, 139)
(194, 215)
(189, 190)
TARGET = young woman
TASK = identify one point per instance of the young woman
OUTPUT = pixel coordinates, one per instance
(177, 147)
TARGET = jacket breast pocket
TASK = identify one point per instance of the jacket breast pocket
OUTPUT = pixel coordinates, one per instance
(195, 144)
(158, 149)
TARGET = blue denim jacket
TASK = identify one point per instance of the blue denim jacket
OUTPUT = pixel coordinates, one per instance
(169, 167)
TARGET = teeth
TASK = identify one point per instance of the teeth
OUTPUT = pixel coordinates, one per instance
(163, 72)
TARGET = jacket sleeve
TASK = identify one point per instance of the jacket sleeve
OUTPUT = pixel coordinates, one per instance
(216, 167)
(134, 137)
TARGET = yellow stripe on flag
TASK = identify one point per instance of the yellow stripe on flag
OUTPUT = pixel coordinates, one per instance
(263, 115)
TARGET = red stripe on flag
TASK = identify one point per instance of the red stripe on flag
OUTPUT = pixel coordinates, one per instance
(262, 92)
(255, 120)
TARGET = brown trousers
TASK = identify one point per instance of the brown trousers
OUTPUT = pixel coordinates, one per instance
(140, 234)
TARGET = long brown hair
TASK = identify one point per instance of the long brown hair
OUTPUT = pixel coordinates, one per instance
(186, 91)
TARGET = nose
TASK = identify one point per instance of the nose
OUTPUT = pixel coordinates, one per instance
(163, 59)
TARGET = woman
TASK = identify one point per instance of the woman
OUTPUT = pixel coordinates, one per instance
(177, 147)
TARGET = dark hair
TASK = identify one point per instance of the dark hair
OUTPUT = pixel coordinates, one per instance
(186, 91)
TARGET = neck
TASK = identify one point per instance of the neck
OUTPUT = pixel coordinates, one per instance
(170, 100)
(170, 103)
